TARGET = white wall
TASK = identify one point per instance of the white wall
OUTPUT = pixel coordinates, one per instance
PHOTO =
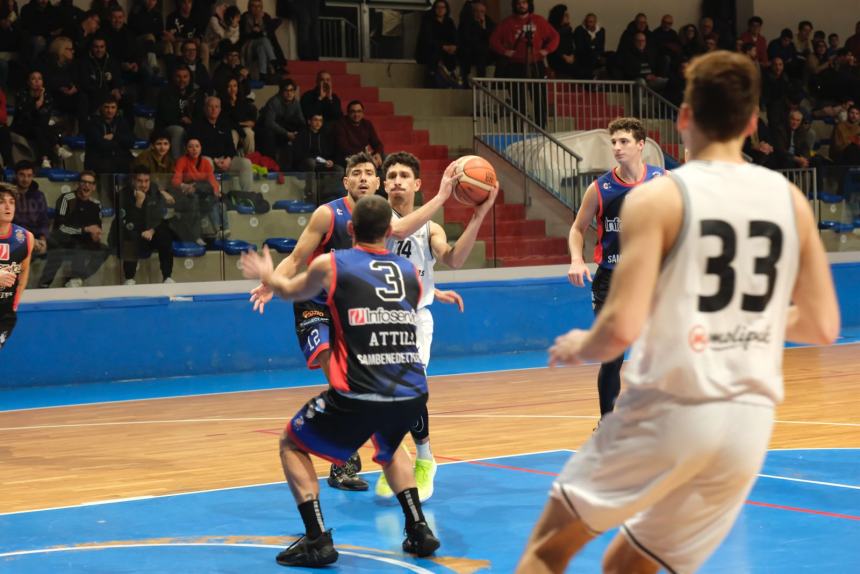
(837, 16)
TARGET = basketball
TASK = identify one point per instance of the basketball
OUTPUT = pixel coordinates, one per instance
(477, 178)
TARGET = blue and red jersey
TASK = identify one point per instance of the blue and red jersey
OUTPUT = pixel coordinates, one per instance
(611, 191)
(15, 247)
(337, 236)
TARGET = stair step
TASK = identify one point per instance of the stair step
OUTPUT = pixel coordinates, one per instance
(388, 122)
(299, 67)
(524, 229)
(373, 109)
(362, 94)
(454, 212)
(522, 247)
(340, 82)
(396, 138)
(422, 151)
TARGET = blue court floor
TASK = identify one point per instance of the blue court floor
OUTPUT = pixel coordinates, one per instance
(802, 516)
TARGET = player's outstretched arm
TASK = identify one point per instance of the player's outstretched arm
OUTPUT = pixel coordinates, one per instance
(456, 256)
(299, 288)
(814, 315)
(308, 241)
(652, 218)
(578, 271)
(409, 224)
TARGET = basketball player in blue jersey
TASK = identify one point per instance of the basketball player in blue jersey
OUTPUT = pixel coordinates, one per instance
(16, 246)
(327, 231)
(603, 200)
(717, 248)
(378, 384)
(429, 244)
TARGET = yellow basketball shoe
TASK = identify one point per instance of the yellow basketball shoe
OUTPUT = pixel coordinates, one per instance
(382, 489)
(425, 471)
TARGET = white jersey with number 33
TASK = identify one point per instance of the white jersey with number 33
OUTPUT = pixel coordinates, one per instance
(416, 248)
(717, 327)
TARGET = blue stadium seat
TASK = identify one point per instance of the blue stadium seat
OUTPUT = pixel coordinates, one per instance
(188, 249)
(256, 84)
(827, 224)
(51, 212)
(143, 111)
(140, 144)
(830, 198)
(242, 208)
(233, 246)
(294, 206)
(281, 244)
(59, 175)
(8, 173)
(108, 212)
(75, 142)
(851, 183)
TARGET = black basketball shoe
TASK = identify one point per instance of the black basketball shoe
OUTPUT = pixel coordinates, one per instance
(311, 553)
(420, 540)
(345, 477)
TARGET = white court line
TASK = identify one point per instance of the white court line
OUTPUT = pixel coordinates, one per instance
(816, 482)
(408, 566)
(280, 482)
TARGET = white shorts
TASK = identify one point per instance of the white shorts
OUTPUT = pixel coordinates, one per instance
(673, 475)
(424, 334)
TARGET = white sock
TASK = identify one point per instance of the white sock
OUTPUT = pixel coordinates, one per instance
(423, 451)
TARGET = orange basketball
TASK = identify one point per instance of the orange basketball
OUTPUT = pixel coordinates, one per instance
(477, 179)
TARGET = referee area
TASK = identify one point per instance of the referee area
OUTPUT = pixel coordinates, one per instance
(128, 473)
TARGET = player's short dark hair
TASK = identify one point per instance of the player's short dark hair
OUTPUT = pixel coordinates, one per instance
(24, 164)
(357, 159)
(755, 20)
(159, 134)
(371, 218)
(632, 125)
(723, 91)
(403, 158)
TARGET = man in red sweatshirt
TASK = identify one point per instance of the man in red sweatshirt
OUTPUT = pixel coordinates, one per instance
(522, 41)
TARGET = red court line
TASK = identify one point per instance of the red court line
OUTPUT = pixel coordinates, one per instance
(750, 502)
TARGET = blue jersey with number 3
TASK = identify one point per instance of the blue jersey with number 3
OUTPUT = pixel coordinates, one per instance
(373, 300)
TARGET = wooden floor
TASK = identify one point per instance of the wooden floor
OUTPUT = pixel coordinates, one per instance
(71, 455)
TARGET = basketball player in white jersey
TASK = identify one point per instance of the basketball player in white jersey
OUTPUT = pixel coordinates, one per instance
(427, 245)
(722, 263)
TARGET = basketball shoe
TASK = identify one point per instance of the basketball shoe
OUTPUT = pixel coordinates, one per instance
(345, 477)
(310, 552)
(420, 540)
(425, 471)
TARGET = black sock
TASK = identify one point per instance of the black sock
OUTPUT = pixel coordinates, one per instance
(411, 506)
(313, 518)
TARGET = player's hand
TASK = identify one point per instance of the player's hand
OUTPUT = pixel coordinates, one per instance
(567, 348)
(260, 296)
(487, 205)
(257, 265)
(578, 272)
(450, 297)
(449, 180)
(7, 278)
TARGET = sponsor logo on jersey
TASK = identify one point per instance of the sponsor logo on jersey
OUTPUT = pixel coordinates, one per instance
(360, 316)
(311, 313)
(740, 337)
(607, 185)
(613, 224)
(19, 236)
(4, 252)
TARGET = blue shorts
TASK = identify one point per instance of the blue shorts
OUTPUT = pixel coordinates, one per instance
(333, 426)
(312, 329)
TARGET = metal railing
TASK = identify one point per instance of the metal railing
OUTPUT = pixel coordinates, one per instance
(659, 116)
(338, 38)
(521, 141)
(807, 180)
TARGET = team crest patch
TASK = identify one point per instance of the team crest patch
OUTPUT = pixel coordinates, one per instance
(4, 252)
(298, 423)
(20, 236)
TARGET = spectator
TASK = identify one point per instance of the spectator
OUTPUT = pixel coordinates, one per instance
(835, 113)
(853, 42)
(816, 63)
(522, 41)
(216, 139)
(314, 152)
(712, 43)
(846, 139)
(223, 29)
(589, 39)
(40, 24)
(157, 159)
(12, 36)
(306, 15)
(473, 41)
(108, 142)
(803, 40)
(691, 42)
(231, 68)
(832, 45)
(122, 46)
(102, 9)
(707, 28)
(63, 81)
(322, 100)
(101, 79)
(666, 41)
(32, 120)
(783, 48)
(258, 31)
(791, 141)
(177, 106)
(76, 235)
(436, 49)
(197, 66)
(142, 227)
(753, 36)
(775, 90)
(182, 25)
(242, 116)
(640, 64)
(5, 135)
(281, 120)
(758, 147)
(147, 24)
(196, 192)
(677, 83)
(638, 25)
(31, 207)
(354, 134)
(563, 60)
(81, 32)
(841, 79)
